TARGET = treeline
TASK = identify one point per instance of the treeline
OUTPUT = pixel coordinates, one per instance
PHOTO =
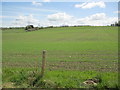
(32, 28)
(116, 24)
(8, 28)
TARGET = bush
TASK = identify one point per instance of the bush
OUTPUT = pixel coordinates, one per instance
(29, 27)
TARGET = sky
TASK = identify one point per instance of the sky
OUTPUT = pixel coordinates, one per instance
(47, 13)
(59, 0)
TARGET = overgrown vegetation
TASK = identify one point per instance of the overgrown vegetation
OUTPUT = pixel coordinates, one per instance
(58, 79)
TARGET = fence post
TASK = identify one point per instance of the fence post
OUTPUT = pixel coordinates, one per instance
(43, 62)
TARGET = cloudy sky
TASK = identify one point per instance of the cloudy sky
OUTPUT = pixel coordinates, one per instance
(49, 13)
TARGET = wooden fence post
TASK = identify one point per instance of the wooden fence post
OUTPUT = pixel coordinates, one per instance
(43, 62)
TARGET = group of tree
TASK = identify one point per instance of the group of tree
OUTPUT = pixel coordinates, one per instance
(30, 28)
(116, 24)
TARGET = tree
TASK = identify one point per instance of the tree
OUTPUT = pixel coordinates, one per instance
(29, 28)
(116, 24)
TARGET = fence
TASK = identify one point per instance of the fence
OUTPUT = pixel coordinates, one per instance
(81, 61)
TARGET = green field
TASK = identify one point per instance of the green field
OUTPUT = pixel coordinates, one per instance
(74, 54)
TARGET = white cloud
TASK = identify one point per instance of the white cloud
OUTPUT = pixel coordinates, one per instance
(97, 16)
(46, 0)
(100, 4)
(36, 3)
(59, 17)
(116, 12)
(25, 20)
(98, 19)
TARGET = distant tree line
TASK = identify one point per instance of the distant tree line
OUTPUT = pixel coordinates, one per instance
(8, 28)
(32, 28)
(116, 24)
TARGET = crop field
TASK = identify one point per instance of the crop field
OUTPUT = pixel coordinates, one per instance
(73, 55)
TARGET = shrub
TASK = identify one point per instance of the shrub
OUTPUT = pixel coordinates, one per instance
(29, 27)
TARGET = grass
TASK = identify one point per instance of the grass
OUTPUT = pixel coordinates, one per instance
(25, 78)
(84, 51)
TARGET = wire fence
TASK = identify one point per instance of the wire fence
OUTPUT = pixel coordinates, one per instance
(98, 61)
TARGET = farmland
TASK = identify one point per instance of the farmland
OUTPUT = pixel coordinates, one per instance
(74, 54)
